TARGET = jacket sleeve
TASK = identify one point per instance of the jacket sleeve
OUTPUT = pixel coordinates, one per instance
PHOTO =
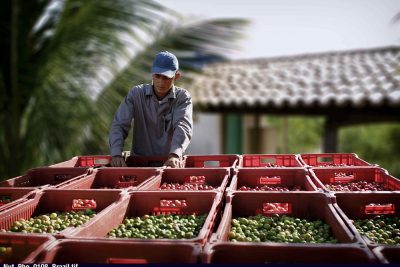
(182, 124)
(121, 125)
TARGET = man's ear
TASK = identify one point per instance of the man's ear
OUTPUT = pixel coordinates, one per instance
(177, 75)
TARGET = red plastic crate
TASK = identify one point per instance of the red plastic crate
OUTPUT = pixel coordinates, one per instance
(24, 248)
(57, 200)
(387, 254)
(322, 176)
(143, 161)
(139, 203)
(216, 177)
(328, 159)
(45, 176)
(119, 252)
(85, 161)
(116, 178)
(354, 205)
(303, 205)
(249, 253)
(266, 160)
(10, 196)
(252, 177)
(211, 161)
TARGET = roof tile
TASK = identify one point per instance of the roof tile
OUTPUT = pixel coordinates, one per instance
(347, 78)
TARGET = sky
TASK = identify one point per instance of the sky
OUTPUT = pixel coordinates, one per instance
(291, 27)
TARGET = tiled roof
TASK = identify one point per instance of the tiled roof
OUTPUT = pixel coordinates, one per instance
(353, 79)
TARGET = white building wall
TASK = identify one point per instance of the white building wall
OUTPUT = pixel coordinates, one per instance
(206, 135)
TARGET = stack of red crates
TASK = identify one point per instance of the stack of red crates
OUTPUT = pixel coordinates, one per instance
(210, 185)
(344, 176)
(119, 193)
(354, 206)
(303, 205)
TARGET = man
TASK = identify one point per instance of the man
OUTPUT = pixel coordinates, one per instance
(162, 116)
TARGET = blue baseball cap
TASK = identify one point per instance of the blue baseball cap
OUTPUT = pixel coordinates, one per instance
(165, 64)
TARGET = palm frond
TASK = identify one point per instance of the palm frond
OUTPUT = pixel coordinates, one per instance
(62, 48)
(58, 46)
(191, 42)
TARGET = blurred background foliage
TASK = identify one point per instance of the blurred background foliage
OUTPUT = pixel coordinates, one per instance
(376, 143)
(67, 64)
(297, 134)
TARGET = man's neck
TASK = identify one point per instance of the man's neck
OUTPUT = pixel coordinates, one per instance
(159, 98)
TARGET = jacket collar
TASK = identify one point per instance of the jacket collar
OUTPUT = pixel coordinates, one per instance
(150, 92)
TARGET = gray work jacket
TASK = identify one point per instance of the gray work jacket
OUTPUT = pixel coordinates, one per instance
(160, 127)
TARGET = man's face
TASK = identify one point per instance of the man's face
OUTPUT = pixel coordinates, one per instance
(162, 84)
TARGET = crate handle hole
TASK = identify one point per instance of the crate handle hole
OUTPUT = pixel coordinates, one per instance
(267, 160)
(270, 180)
(377, 208)
(270, 208)
(325, 159)
(195, 179)
(170, 206)
(101, 161)
(342, 177)
(178, 203)
(83, 204)
(211, 163)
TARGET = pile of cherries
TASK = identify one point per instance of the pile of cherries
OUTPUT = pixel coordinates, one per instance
(356, 186)
(190, 183)
(279, 188)
(185, 186)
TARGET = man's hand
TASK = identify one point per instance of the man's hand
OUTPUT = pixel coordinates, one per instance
(118, 161)
(173, 161)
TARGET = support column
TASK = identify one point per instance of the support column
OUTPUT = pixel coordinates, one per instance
(330, 138)
(285, 135)
(256, 140)
(233, 134)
